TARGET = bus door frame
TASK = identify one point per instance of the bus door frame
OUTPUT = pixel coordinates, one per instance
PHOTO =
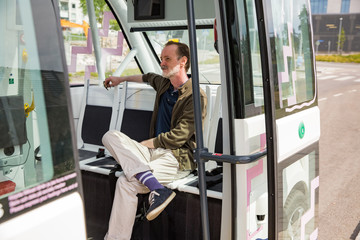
(201, 153)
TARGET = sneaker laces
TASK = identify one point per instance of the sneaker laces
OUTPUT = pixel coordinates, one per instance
(152, 197)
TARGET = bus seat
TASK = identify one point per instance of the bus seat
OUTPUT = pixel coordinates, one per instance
(95, 119)
(212, 138)
(135, 123)
(215, 115)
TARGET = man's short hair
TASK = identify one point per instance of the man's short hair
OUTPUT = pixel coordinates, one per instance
(182, 50)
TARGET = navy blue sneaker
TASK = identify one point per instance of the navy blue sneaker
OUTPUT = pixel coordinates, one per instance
(158, 201)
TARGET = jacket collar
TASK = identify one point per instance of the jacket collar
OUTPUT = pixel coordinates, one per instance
(185, 87)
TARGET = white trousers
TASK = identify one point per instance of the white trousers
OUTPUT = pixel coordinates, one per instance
(134, 158)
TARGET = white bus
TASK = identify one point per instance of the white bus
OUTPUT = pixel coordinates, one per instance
(257, 152)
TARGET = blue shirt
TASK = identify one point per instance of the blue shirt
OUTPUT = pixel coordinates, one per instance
(166, 105)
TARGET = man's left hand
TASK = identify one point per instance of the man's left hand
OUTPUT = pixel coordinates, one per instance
(148, 143)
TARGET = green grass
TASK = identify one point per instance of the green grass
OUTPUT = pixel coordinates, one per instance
(75, 37)
(77, 74)
(126, 72)
(354, 58)
(131, 71)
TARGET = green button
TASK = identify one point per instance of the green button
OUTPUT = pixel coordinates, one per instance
(11, 81)
(301, 130)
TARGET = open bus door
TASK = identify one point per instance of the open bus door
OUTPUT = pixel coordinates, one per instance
(290, 88)
(40, 185)
(269, 90)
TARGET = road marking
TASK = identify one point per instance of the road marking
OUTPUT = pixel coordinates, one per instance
(351, 91)
(357, 80)
(322, 99)
(326, 77)
(338, 94)
(344, 78)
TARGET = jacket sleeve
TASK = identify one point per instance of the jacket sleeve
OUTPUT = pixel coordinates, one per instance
(153, 79)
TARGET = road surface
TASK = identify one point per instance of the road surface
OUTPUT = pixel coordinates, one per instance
(339, 102)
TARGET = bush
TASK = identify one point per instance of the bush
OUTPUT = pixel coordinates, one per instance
(354, 58)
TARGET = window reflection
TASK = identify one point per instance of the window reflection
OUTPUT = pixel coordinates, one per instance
(78, 41)
(298, 196)
(293, 53)
(22, 108)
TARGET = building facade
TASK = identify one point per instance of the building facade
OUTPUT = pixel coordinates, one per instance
(330, 18)
(70, 10)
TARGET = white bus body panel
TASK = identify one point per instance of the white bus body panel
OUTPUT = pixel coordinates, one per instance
(58, 220)
(288, 131)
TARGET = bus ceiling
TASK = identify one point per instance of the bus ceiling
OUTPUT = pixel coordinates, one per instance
(144, 15)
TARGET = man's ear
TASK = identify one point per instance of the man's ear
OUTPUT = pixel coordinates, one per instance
(183, 61)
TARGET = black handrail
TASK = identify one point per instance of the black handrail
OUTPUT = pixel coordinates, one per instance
(231, 158)
(198, 121)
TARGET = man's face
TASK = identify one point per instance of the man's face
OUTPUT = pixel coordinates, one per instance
(170, 65)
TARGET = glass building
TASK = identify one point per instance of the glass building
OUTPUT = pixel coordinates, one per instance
(330, 18)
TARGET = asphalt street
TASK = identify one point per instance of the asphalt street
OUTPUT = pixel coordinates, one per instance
(339, 99)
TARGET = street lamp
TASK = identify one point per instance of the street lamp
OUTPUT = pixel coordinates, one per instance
(338, 47)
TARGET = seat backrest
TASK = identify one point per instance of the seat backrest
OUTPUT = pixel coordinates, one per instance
(218, 148)
(98, 114)
(136, 124)
(213, 125)
(215, 116)
(136, 108)
(95, 124)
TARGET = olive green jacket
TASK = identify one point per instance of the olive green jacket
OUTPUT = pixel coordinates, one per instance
(181, 137)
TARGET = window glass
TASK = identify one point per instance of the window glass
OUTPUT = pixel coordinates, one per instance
(22, 103)
(64, 6)
(345, 6)
(255, 54)
(298, 198)
(319, 6)
(208, 58)
(78, 41)
(246, 81)
(293, 70)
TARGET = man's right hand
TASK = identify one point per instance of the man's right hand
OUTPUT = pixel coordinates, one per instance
(113, 81)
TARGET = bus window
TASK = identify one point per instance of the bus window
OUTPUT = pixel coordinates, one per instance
(295, 110)
(23, 163)
(257, 85)
(247, 69)
(292, 45)
(78, 42)
(36, 149)
(299, 181)
(208, 58)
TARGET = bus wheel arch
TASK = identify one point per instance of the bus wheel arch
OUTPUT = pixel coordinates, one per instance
(295, 206)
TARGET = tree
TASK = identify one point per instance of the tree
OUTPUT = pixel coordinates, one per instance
(341, 40)
(100, 7)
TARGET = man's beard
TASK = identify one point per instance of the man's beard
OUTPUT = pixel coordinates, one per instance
(172, 71)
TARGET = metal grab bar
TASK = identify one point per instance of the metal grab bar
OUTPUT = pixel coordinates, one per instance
(205, 155)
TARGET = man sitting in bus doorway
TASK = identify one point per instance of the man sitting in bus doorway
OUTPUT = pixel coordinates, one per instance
(167, 155)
